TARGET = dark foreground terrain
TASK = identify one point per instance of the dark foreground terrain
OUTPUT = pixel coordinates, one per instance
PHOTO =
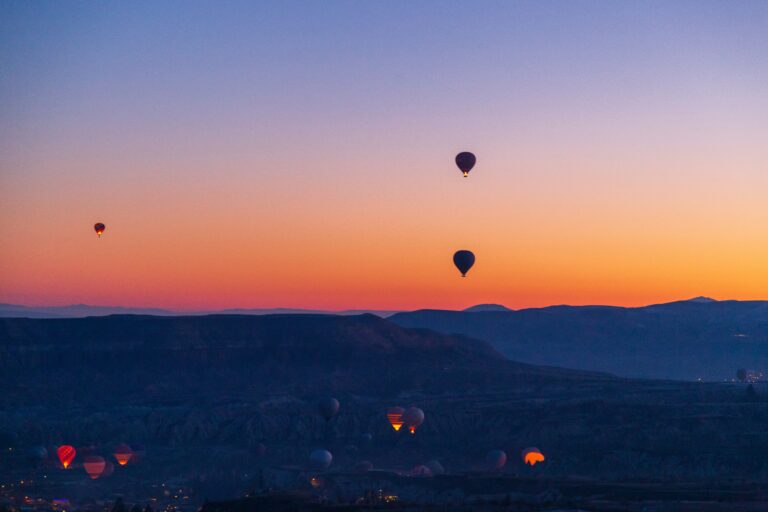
(223, 406)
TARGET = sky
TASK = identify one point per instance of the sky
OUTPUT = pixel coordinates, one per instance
(300, 153)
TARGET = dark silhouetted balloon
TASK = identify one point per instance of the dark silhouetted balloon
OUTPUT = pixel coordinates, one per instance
(320, 459)
(328, 407)
(463, 260)
(465, 161)
(413, 418)
(66, 454)
(94, 466)
(395, 417)
(99, 228)
(741, 374)
(496, 459)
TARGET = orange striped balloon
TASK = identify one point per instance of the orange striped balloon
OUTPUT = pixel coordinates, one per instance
(395, 417)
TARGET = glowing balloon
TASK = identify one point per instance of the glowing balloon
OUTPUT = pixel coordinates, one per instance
(328, 407)
(496, 459)
(316, 481)
(66, 454)
(532, 455)
(99, 228)
(395, 417)
(413, 418)
(463, 260)
(123, 454)
(94, 466)
(465, 161)
(320, 459)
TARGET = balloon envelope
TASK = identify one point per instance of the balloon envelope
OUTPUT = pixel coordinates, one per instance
(532, 455)
(123, 454)
(94, 466)
(395, 417)
(465, 161)
(413, 418)
(320, 459)
(463, 260)
(496, 459)
(328, 407)
(99, 228)
(66, 454)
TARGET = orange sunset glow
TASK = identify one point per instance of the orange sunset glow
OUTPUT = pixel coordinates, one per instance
(222, 185)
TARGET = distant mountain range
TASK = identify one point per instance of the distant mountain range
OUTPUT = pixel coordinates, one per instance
(85, 310)
(699, 338)
(693, 339)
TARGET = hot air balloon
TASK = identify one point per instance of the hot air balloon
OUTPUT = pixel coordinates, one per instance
(532, 455)
(94, 466)
(320, 459)
(328, 407)
(123, 454)
(496, 459)
(395, 417)
(741, 374)
(99, 228)
(465, 161)
(66, 454)
(463, 260)
(413, 418)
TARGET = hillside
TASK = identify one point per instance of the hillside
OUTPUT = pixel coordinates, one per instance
(126, 357)
(693, 339)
